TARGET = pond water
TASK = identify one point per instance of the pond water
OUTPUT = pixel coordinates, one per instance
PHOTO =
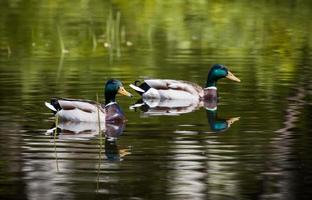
(70, 49)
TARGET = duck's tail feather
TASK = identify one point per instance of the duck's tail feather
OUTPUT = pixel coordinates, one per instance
(134, 106)
(136, 88)
(54, 105)
(142, 88)
(50, 106)
(50, 131)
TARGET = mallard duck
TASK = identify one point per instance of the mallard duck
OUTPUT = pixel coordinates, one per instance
(87, 111)
(177, 89)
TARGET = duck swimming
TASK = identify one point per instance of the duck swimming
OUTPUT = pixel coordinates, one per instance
(177, 89)
(77, 110)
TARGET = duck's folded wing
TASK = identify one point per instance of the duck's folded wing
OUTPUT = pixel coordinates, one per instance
(167, 84)
(77, 110)
(86, 106)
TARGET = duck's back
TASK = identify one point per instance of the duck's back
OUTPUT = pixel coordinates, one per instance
(77, 110)
(172, 89)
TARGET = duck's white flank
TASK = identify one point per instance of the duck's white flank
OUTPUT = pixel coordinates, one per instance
(77, 115)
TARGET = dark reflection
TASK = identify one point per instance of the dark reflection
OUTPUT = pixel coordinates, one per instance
(85, 131)
(114, 130)
(112, 151)
(219, 124)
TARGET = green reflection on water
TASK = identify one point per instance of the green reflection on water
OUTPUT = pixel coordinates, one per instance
(237, 28)
(271, 34)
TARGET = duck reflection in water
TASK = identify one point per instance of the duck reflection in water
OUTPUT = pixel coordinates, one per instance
(112, 152)
(158, 107)
(219, 124)
(112, 132)
(68, 130)
(152, 107)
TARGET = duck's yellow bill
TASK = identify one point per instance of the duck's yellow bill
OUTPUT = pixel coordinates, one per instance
(232, 77)
(124, 92)
(232, 120)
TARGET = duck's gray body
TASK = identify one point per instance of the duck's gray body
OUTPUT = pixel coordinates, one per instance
(169, 89)
(76, 110)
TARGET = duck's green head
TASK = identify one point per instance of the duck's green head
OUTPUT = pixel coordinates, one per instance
(218, 71)
(112, 87)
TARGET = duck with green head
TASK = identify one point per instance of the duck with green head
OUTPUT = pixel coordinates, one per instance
(184, 90)
(87, 111)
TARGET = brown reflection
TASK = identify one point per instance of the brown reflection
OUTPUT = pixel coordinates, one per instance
(279, 180)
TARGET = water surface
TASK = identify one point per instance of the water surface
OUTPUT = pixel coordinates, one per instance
(70, 49)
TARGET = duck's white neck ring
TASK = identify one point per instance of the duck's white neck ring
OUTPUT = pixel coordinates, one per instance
(212, 109)
(111, 103)
(210, 88)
